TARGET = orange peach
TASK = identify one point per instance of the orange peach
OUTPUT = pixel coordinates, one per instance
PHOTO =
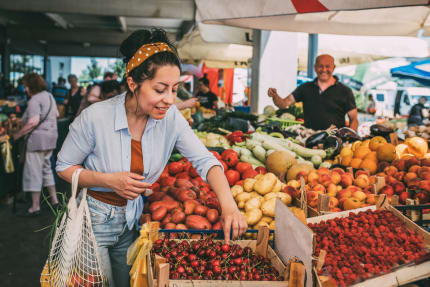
(332, 189)
(399, 187)
(292, 191)
(425, 185)
(425, 176)
(313, 177)
(335, 177)
(382, 165)
(338, 170)
(422, 170)
(425, 162)
(351, 203)
(312, 198)
(361, 171)
(325, 179)
(353, 188)
(369, 189)
(319, 188)
(359, 195)
(390, 180)
(323, 170)
(388, 190)
(390, 170)
(371, 198)
(411, 162)
(334, 202)
(344, 193)
(372, 179)
(413, 183)
(362, 181)
(294, 183)
(400, 175)
(400, 164)
(341, 201)
(346, 179)
(303, 174)
(336, 209)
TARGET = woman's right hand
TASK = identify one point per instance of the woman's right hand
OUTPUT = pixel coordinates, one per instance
(127, 184)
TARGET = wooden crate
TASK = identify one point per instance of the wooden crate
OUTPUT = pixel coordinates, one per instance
(402, 275)
(276, 262)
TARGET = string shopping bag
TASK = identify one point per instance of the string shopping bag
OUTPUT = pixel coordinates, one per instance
(73, 258)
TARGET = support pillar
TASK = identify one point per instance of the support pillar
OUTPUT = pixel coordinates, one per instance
(274, 65)
(312, 54)
(5, 59)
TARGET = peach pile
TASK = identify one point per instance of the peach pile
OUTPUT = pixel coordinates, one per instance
(345, 191)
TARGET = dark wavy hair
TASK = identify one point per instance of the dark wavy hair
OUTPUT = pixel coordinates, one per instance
(147, 70)
(34, 82)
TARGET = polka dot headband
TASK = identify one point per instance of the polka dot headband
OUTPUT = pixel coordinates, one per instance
(144, 52)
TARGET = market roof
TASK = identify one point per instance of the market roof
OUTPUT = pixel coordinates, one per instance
(87, 28)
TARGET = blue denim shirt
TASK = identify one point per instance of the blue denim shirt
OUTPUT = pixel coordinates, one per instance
(100, 140)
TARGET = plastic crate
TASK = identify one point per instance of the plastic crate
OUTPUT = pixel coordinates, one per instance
(245, 109)
(284, 123)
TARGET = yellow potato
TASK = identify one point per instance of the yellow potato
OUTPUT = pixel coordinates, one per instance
(248, 184)
(253, 216)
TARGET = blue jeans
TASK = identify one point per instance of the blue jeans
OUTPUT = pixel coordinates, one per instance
(113, 238)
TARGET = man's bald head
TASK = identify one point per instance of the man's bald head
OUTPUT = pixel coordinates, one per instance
(324, 67)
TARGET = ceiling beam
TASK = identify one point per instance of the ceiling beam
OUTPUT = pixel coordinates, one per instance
(58, 20)
(122, 23)
(178, 9)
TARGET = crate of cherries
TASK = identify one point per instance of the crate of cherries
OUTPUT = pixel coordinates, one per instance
(209, 259)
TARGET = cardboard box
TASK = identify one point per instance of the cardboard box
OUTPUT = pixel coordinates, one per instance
(300, 244)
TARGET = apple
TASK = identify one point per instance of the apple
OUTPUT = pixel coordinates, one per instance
(414, 168)
(359, 195)
(400, 175)
(382, 165)
(425, 175)
(400, 164)
(403, 196)
(398, 187)
(414, 183)
(422, 196)
(292, 191)
(390, 170)
(346, 179)
(388, 190)
(422, 170)
(351, 203)
(425, 184)
(362, 180)
(371, 198)
(425, 162)
(411, 162)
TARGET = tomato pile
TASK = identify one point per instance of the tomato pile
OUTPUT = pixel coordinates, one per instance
(213, 260)
(237, 137)
(365, 244)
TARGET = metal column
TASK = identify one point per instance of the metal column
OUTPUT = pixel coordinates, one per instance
(312, 54)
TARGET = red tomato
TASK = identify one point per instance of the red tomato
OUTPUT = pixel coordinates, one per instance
(183, 175)
(187, 166)
(232, 176)
(175, 167)
(240, 182)
(261, 169)
(165, 172)
(193, 172)
(224, 165)
(76, 280)
(241, 167)
(216, 154)
(155, 187)
(90, 280)
(230, 157)
(250, 173)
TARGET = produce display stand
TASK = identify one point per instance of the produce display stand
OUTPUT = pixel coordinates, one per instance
(302, 243)
(158, 271)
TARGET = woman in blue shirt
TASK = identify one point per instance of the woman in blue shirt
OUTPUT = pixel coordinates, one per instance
(100, 140)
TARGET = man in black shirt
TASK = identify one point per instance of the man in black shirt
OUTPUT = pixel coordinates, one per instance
(418, 113)
(325, 100)
(205, 97)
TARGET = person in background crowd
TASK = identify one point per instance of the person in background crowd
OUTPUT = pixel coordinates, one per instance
(60, 92)
(110, 76)
(326, 101)
(74, 97)
(40, 119)
(99, 92)
(418, 113)
(371, 107)
(204, 95)
(124, 143)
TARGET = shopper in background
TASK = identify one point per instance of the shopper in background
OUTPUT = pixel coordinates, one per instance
(60, 92)
(40, 126)
(124, 144)
(99, 92)
(371, 107)
(326, 101)
(418, 113)
(76, 93)
(110, 76)
(204, 95)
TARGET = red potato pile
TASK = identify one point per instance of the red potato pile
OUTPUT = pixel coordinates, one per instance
(182, 200)
(213, 260)
(364, 245)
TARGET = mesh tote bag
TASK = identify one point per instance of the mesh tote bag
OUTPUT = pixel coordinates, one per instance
(73, 259)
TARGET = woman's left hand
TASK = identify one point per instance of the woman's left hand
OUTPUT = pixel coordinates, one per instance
(233, 220)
